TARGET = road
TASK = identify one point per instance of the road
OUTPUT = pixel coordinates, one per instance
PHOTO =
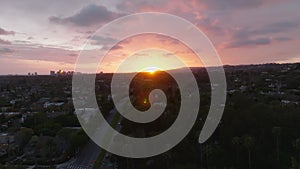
(86, 157)
(106, 162)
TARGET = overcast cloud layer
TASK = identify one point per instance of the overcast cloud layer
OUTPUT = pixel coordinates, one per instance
(39, 36)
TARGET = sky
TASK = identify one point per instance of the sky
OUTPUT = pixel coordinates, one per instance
(39, 36)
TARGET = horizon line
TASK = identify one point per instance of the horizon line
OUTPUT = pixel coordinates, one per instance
(226, 65)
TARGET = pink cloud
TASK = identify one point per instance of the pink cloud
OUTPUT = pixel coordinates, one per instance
(29, 52)
(4, 42)
(87, 16)
(5, 32)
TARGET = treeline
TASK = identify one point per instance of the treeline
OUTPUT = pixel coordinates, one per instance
(256, 132)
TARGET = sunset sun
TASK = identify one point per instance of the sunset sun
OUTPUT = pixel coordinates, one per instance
(151, 70)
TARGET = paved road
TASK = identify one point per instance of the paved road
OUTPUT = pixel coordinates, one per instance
(106, 162)
(86, 157)
(89, 154)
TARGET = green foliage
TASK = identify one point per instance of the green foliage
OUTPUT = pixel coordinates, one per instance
(78, 139)
(67, 120)
(49, 128)
(35, 119)
(24, 135)
(65, 133)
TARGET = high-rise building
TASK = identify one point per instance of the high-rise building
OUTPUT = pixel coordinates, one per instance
(52, 73)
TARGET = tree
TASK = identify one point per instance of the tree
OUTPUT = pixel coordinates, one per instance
(23, 136)
(237, 142)
(65, 133)
(277, 131)
(208, 151)
(78, 139)
(167, 156)
(249, 144)
(51, 147)
(297, 146)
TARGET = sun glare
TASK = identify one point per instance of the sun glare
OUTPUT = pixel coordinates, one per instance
(151, 70)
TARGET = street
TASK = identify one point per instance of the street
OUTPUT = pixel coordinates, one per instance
(87, 156)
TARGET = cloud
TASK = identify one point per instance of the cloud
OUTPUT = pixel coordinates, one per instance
(100, 40)
(231, 4)
(283, 39)
(5, 32)
(235, 5)
(192, 10)
(36, 52)
(4, 42)
(191, 6)
(277, 27)
(87, 16)
(73, 55)
(274, 28)
(117, 47)
(6, 50)
(252, 37)
(249, 42)
(106, 42)
(141, 5)
(210, 25)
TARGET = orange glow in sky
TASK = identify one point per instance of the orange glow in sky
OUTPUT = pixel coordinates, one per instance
(143, 49)
(151, 70)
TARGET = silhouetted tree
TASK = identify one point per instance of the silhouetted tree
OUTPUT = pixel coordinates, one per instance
(237, 142)
(249, 144)
(277, 131)
(297, 146)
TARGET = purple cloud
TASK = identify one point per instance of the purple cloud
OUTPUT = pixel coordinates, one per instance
(249, 42)
(87, 16)
(277, 27)
(210, 25)
(274, 28)
(236, 4)
(283, 39)
(5, 32)
(6, 50)
(4, 42)
(99, 40)
(252, 37)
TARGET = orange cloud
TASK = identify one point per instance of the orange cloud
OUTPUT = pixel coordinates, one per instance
(148, 41)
